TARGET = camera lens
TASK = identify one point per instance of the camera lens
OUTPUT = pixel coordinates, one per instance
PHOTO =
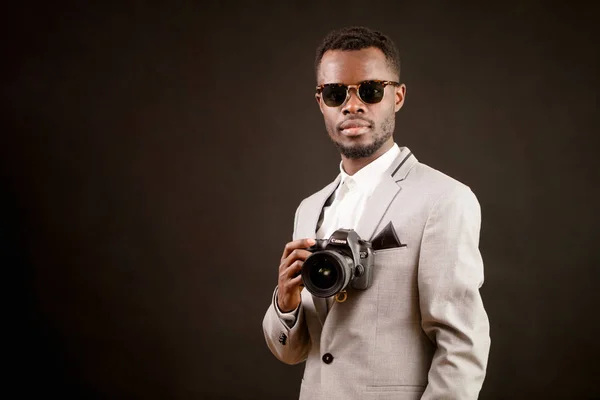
(326, 272)
(323, 273)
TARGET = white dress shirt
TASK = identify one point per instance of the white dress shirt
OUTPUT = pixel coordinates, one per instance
(348, 205)
(352, 194)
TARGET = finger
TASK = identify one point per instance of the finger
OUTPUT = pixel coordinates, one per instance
(296, 244)
(294, 269)
(285, 264)
(296, 254)
(296, 282)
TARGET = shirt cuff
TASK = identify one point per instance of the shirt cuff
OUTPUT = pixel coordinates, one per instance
(289, 318)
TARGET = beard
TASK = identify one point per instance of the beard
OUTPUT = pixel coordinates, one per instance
(380, 137)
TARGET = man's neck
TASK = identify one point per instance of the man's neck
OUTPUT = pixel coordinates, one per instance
(353, 165)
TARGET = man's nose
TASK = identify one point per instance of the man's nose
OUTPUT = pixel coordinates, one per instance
(354, 104)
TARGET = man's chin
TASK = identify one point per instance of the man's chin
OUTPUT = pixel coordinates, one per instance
(355, 141)
(356, 151)
(358, 148)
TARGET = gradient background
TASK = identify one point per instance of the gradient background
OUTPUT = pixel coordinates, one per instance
(153, 157)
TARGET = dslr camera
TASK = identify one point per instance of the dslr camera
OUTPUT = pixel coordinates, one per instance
(335, 263)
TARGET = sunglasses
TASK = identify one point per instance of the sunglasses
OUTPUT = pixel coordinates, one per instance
(369, 92)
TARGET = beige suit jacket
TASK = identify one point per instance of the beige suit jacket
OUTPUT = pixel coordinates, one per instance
(421, 330)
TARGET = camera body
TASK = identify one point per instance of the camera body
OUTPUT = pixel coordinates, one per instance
(338, 262)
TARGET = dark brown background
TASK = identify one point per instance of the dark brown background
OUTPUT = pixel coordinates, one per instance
(152, 159)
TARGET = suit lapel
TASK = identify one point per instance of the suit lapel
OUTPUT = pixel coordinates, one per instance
(321, 308)
(311, 211)
(383, 195)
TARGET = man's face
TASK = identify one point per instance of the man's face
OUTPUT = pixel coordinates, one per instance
(359, 129)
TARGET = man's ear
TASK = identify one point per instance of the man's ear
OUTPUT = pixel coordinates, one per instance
(319, 101)
(400, 95)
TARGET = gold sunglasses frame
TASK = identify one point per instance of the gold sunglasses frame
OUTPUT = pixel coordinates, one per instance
(357, 86)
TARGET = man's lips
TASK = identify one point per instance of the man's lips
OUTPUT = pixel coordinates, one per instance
(354, 123)
(354, 127)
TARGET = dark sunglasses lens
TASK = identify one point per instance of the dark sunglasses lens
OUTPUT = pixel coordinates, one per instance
(371, 92)
(334, 95)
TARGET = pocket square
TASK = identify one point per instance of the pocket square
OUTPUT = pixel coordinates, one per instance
(386, 239)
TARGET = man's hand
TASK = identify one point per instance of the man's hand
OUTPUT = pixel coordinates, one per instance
(290, 281)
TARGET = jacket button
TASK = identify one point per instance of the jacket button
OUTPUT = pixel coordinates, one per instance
(327, 358)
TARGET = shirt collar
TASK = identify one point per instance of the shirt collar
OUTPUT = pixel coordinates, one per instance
(368, 177)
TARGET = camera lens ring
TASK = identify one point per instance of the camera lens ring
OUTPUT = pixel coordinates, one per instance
(338, 268)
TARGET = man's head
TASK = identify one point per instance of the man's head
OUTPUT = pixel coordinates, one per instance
(361, 123)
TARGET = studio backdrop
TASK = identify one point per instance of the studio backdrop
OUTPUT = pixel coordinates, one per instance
(152, 159)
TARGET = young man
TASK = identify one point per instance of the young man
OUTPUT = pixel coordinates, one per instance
(420, 330)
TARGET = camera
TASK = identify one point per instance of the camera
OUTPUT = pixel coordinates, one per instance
(335, 263)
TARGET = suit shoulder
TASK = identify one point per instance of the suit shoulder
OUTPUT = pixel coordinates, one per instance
(437, 189)
(436, 182)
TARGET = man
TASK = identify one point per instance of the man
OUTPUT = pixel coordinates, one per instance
(420, 331)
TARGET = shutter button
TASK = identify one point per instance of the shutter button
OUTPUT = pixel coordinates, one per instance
(327, 358)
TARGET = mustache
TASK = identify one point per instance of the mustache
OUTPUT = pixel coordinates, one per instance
(370, 122)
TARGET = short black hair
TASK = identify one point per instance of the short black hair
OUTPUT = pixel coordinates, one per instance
(358, 38)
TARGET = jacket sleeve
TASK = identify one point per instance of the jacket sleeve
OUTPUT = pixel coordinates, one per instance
(286, 334)
(452, 311)
(289, 341)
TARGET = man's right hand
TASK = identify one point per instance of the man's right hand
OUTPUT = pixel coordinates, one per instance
(290, 280)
